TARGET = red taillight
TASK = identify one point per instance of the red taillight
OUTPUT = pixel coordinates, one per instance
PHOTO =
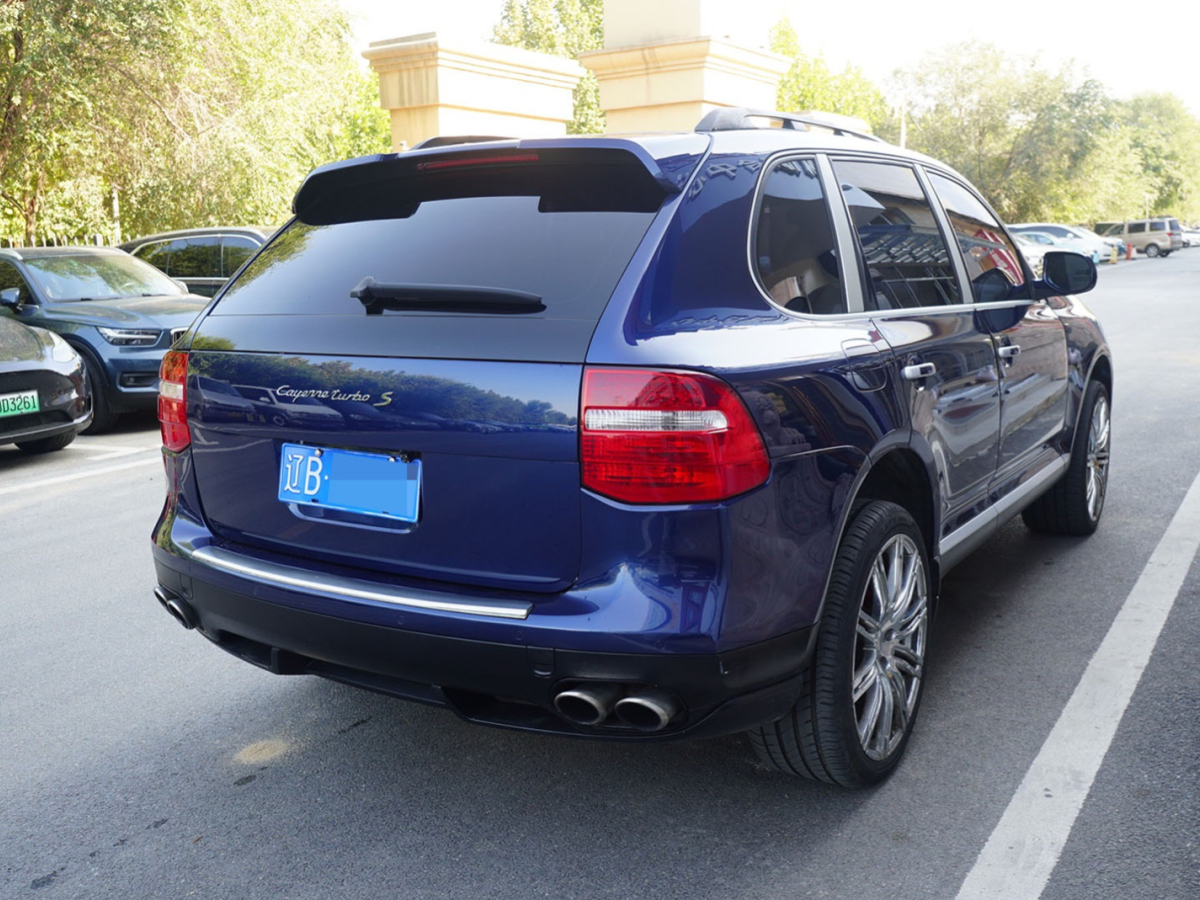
(172, 411)
(667, 437)
(466, 161)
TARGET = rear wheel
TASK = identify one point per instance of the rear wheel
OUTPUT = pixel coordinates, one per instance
(1073, 506)
(861, 695)
(1152, 250)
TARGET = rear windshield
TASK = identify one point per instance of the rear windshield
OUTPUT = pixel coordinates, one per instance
(562, 233)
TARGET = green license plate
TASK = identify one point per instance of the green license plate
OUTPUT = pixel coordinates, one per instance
(19, 404)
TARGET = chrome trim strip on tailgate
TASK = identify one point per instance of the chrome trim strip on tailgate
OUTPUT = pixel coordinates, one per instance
(340, 588)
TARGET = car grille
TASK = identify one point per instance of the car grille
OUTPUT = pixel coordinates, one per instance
(176, 334)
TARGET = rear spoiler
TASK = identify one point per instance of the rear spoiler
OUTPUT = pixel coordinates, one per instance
(621, 172)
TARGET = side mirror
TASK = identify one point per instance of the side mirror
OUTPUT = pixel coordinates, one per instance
(1064, 272)
(11, 297)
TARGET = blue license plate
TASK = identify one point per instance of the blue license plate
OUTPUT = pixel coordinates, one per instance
(371, 484)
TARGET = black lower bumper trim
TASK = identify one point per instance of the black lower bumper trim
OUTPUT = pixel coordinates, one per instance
(506, 685)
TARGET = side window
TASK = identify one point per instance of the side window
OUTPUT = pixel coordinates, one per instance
(1158, 226)
(195, 258)
(158, 255)
(906, 255)
(993, 264)
(794, 244)
(1137, 227)
(234, 252)
(10, 277)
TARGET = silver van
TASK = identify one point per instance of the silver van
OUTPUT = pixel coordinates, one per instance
(1154, 237)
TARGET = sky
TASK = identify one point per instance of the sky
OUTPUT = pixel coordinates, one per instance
(1129, 53)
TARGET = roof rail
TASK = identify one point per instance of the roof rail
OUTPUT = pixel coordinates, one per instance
(450, 139)
(737, 119)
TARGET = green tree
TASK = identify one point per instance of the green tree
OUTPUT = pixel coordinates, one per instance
(165, 113)
(563, 28)
(1166, 139)
(1041, 145)
(59, 65)
(241, 115)
(811, 85)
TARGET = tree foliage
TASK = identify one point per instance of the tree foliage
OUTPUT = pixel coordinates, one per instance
(152, 114)
(1050, 146)
(1166, 141)
(810, 85)
(563, 28)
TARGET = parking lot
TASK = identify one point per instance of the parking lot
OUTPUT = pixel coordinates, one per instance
(139, 761)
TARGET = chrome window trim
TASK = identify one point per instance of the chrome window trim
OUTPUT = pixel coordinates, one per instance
(855, 299)
(353, 589)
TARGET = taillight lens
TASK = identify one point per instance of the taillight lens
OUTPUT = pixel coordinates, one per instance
(667, 437)
(172, 411)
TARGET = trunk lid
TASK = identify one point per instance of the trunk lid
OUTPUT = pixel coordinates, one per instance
(488, 272)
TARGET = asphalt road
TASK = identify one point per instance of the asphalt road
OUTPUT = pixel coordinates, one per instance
(138, 761)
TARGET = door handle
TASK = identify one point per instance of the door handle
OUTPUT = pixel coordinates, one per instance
(918, 371)
(1009, 352)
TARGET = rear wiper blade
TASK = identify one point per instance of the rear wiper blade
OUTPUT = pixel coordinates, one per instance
(377, 296)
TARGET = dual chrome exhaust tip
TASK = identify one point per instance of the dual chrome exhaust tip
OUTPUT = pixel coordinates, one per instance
(644, 708)
(180, 610)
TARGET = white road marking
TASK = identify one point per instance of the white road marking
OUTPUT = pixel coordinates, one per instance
(100, 453)
(74, 476)
(1021, 853)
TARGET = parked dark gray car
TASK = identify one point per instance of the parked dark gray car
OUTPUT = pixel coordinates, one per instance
(44, 399)
(119, 313)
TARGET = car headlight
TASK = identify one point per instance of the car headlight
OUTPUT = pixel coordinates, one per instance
(130, 337)
(60, 350)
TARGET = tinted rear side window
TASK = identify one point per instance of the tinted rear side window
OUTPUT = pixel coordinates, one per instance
(794, 243)
(198, 257)
(1158, 226)
(234, 252)
(158, 255)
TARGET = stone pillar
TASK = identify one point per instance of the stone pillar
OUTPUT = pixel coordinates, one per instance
(666, 64)
(435, 86)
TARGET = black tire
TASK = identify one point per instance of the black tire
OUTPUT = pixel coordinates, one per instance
(1074, 505)
(830, 735)
(103, 417)
(47, 445)
(1152, 250)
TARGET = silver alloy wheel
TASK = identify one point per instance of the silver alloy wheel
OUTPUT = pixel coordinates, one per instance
(889, 648)
(1097, 458)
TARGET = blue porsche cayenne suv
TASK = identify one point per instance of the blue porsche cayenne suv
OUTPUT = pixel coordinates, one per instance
(629, 438)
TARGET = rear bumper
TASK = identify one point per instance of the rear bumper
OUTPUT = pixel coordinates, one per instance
(510, 685)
